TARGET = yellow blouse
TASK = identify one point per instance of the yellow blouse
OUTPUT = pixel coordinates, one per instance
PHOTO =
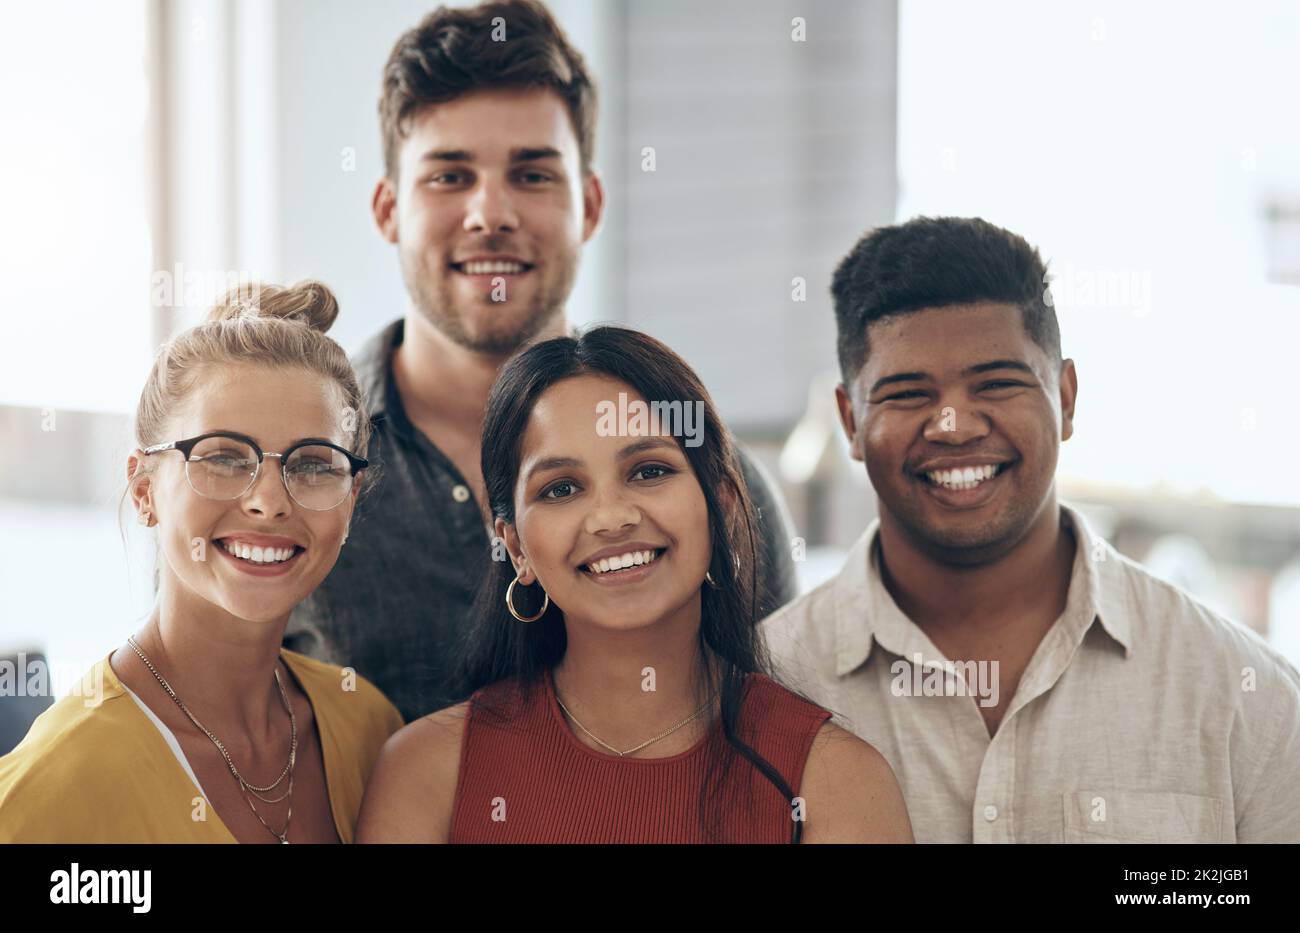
(95, 768)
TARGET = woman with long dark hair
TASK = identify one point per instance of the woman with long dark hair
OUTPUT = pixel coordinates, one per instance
(619, 690)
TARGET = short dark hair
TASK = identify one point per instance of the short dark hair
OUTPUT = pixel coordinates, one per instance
(931, 262)
(454, 51)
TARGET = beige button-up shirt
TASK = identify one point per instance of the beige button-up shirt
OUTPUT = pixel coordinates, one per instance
(1141, 717)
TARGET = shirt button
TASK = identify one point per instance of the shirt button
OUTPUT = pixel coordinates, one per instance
(460, 493)
(990, 813)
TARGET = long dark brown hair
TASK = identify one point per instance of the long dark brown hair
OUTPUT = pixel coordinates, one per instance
(496, 647)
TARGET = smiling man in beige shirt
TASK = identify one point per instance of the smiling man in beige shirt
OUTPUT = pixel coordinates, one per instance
(1026, 682)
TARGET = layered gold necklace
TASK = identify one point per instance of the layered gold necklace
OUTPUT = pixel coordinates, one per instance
(246, 787)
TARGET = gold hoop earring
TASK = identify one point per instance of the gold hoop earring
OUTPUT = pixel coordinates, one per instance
(510, 592)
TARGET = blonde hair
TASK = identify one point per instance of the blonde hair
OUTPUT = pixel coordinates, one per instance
(267, 325)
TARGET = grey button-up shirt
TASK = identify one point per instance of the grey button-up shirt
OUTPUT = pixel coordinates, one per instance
(417, 550)
(1141, 717)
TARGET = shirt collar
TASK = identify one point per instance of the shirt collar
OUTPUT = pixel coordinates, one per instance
(374, 367)
(373, 364)
(865, 612)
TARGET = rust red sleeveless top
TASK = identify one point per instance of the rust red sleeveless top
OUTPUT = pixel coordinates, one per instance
(525, 777)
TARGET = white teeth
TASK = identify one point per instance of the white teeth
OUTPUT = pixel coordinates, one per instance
(621, 561)
(258, 555)
(965, 478)
(488, 268)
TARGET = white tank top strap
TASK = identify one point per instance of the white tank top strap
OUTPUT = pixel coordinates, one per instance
(169, 737)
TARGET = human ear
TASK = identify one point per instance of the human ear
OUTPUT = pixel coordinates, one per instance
(508, 534)
(383, 207)
(1069, 392)
(848, 420)
(140, 486)
(593, 205)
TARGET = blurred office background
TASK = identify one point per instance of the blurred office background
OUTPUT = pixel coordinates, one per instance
(1151, 152)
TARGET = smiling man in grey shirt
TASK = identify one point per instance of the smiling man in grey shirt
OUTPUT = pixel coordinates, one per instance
(488, 120)
(1026, 682)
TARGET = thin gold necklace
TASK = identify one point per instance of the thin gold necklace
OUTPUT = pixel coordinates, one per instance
(663, 735)
(244, 786)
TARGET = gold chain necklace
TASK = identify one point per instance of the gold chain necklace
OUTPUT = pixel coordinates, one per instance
(244, 786)
(663, 735)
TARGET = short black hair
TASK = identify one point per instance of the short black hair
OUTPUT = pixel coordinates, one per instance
(931, 262)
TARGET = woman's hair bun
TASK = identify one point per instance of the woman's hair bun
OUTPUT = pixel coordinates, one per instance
(309, 302)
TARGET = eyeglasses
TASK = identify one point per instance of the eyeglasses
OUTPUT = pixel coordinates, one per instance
(225, 465)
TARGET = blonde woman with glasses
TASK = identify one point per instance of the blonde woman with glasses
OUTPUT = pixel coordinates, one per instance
(200, 727)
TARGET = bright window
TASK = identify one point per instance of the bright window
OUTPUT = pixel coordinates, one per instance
(1141, 148)
(75, 249)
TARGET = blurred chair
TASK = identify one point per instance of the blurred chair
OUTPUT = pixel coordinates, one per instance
(17, 709)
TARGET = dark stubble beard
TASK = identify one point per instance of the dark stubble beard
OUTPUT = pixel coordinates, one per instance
(973, 547)
(436, 305)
